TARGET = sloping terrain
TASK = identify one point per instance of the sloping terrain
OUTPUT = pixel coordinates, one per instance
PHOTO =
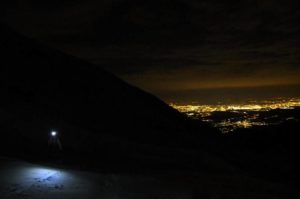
(93, 111)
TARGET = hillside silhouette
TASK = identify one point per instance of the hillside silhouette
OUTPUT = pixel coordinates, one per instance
(96, 114)
(266, 151)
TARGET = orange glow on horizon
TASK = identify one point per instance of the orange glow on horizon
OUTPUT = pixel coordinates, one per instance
(248, 114)
(259, 106)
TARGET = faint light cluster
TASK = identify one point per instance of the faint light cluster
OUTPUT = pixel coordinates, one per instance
(229, 126)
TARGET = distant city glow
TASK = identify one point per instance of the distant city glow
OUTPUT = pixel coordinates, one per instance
(261, 106)
(239, 115)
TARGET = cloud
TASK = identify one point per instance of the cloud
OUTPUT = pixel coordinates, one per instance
(167, 45)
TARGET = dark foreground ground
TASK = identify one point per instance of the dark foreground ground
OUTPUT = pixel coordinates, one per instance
(21, 180)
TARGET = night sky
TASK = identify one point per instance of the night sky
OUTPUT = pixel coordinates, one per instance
(180, 50)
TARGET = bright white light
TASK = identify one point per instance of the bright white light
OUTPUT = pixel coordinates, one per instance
(53, 133)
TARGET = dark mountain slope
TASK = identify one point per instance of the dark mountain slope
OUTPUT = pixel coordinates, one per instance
(269, 151)
(43, 90)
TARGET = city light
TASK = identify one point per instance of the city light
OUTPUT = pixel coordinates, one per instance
(254, 106)
(244, 115)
